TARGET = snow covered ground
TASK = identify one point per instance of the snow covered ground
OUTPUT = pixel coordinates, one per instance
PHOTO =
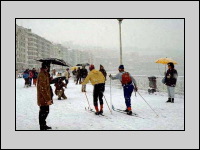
(70, 114)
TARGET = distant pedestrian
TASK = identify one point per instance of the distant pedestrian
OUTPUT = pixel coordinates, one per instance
(26, 78)
(44, 96)
(98, 80)
(84, 74)
(170, 81)
(78, 76)
(67, 76)
(35, 75)
(30, 77)
(103, 71)
(129, 84)
(74, 72)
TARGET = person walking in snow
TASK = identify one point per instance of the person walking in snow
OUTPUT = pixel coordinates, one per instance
(78, 76)
(74, 72)
(170, 81)
(67, 75)
(26, 78)
(59, 89)
(129, 84)
(44, 96)
(84, 74)
(35, 75)
(98, 80)
(103, 71)
(30, 77)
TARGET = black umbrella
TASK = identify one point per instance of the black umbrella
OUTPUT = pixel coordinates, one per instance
(55, 80)
(84, 64)
(54, 61)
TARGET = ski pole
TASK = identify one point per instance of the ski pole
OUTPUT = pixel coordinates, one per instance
(107, 104)
(148, 104)
(110, 94)
(87, 101)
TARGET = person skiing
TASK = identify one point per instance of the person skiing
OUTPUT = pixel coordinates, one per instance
(67, 75)
(103, 71)
(59, 89)
(26, 78)
(129, 84)
(98, 80)
(170, 81)
(30, 77)
(44, 96)
(35, 75)
(84, 74)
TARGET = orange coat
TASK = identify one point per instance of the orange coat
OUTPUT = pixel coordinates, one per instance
(43, 88)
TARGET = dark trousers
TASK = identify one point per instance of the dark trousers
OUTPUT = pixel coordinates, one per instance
(128, 89)
(78, 80)
(98, 93)
(30, 81)
(43, 113)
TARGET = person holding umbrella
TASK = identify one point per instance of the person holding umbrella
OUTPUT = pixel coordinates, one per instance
(44, 96)
(170, 81)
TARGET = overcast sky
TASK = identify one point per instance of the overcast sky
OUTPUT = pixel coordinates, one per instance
(140, 33)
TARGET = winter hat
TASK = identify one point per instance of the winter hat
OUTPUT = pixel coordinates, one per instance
(171, 64)
(121, 67)
(91, 67)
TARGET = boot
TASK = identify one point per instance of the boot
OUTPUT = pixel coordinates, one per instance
(59, 98)
(97, 110)
(169, 100)
(129, 111)
(101, 109)
(172, 100)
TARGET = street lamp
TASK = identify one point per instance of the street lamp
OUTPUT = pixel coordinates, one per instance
(120, 40)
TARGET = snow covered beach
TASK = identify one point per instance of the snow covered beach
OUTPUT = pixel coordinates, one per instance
(70, 114)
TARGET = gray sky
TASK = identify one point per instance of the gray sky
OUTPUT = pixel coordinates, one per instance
(140, 33)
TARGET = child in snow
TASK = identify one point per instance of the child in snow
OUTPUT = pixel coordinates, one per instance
(59, 89)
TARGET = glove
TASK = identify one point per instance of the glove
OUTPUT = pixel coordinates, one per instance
(136, 89)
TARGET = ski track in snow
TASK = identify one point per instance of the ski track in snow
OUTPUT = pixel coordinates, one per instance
(70, 114)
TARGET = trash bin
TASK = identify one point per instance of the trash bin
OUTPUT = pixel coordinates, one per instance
(152, 84)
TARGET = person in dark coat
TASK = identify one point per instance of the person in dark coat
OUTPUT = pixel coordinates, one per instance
(78, 76)
(84, 74)
(26, 78)
(35, 75)
(74, 72)
(103, 71)
(170, 81)
(44, 96)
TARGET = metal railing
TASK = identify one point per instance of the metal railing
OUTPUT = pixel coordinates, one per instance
(143, 83)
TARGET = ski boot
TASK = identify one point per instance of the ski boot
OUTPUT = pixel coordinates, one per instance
(129, 112)
(172, 100)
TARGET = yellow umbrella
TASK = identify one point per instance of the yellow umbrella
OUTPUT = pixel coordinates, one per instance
(165, 61)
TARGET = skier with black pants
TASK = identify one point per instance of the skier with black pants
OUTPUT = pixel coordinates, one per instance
(129, 84)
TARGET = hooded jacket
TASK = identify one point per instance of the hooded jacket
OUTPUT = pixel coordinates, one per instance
(95, 77)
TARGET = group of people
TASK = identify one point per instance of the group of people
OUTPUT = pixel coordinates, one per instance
(30, 75)
(97, 79)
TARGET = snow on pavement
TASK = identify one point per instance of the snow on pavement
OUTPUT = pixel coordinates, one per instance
(70, 114)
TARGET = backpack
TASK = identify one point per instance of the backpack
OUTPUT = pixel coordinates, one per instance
(126, 78)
